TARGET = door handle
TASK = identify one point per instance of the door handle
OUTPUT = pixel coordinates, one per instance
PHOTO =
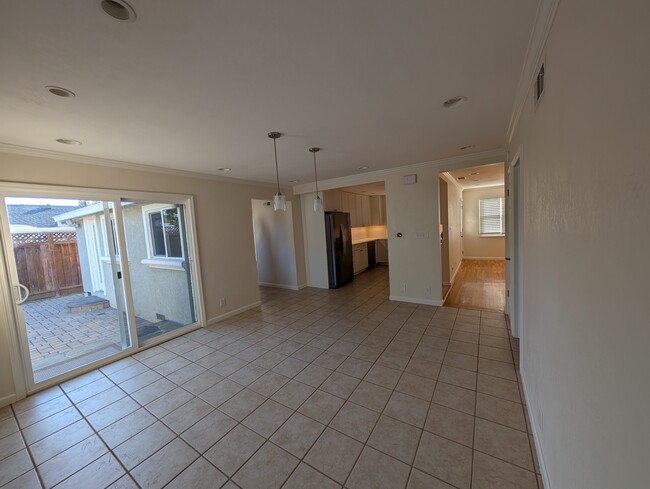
(507, 258)
(20, 299)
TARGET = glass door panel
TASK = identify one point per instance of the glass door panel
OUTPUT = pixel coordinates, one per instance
(67, 278)
(162, 284)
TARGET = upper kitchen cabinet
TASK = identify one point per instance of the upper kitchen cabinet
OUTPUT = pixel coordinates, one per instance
(365, 210)
(377, 210)
(332, 200)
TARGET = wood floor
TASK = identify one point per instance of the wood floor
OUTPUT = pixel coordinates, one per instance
(479, 284)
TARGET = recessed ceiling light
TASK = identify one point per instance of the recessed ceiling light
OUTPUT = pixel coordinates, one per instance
(454, 101)
(474, 173)
(60, 91)
(119, 10)
(68, 141)
(461, 178)
(224, 169)
(294, 181)
(469, 146)
(364, 167)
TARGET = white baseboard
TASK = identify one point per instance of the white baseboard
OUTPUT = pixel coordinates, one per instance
(498, 258)
(234, 312)
(281, 286)
(415, 300)
(6, 400)
(302, 286)
(533, 425)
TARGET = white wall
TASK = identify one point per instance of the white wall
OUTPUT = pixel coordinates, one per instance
(274, 245)
(586, 189)
(223, 221)
(475, 245)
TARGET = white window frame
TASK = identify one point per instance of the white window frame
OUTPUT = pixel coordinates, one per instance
(502, 217)
(153, 260)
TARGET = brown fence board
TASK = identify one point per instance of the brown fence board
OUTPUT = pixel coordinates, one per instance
(48, 265)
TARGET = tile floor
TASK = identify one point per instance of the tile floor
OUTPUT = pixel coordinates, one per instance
(314, 389)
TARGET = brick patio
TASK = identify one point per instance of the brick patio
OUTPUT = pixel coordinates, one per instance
(55, 334)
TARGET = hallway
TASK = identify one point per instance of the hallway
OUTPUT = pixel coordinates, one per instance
(479, 284)
(316, 388)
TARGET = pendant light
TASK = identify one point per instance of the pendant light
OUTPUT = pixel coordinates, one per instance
(279, 202)
(318, 202)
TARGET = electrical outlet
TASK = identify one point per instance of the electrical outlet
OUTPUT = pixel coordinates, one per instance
(540, 421)
(429, 292)
(222, 302)
(402, 287)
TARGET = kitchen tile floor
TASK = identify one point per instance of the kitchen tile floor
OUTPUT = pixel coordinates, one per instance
(313, 389)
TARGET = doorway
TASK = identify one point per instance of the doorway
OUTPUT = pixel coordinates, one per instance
(77, 301)
(513, 260)
(274, 245)
(473, 237)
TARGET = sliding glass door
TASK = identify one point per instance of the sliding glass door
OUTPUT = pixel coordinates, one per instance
(94, 275)
(159, 261)
(67, 281)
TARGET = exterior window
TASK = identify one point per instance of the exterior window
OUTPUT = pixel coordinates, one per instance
(165, 233)
(491, 217)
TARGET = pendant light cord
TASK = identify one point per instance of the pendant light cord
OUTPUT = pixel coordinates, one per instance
(277, 172)
(315, 174)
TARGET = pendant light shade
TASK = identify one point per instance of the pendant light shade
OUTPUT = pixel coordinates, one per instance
(318, 202)
(279, 201)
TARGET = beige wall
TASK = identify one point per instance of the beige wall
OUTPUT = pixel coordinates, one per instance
(223, 217)
(475, 245)
(585, 171)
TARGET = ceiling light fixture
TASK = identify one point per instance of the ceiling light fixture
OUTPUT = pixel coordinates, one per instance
(469, 146)
(73, 142)
(224, 169)
(318, 202)
(474, 173)
(279, 201)
(454, 101)
(364, 167)
(119, 10)
(60, 91)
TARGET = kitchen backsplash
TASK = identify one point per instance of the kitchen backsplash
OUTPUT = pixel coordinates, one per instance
(369, 232)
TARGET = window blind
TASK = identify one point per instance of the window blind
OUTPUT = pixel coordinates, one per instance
(491, 217)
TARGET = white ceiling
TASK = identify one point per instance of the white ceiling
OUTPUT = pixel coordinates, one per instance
(479, 176)
(196, 85)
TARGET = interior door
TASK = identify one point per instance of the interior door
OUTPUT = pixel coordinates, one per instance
(64, 322)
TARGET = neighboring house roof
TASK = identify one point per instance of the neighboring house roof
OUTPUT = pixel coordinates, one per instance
(37, 216)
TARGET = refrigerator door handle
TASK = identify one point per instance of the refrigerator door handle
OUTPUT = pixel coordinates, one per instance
(342, 238)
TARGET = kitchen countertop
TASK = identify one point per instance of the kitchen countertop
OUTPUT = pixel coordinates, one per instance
(366, 240)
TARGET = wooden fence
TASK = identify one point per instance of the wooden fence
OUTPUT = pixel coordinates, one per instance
(48, 263)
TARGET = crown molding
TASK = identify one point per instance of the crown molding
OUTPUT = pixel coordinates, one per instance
(124, 165)
(449, 178)
(444, 164)
(546, 10)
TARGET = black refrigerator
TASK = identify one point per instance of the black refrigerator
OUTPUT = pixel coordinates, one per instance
(339, 249)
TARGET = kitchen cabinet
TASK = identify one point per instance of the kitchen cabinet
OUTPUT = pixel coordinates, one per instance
(377, 210)
(332, 200)
(365, 210)
(381, 251)
(360, 257)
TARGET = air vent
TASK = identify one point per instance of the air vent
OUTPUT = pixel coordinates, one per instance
(539, 84)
